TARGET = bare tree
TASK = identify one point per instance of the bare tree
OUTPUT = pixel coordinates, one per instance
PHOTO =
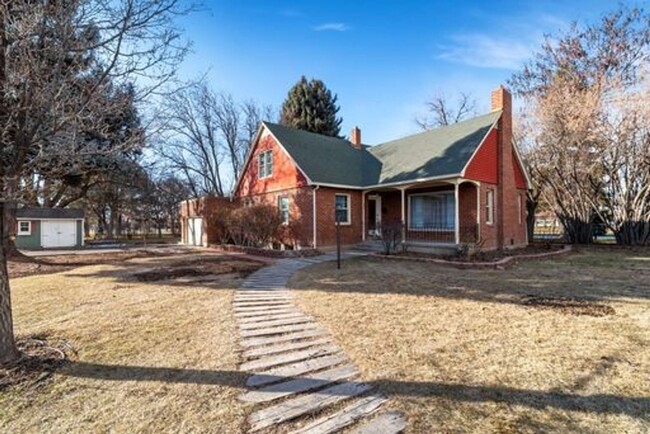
(57, 62)
(206, 137)
(191, 144)
(584, 92)
(441, 111)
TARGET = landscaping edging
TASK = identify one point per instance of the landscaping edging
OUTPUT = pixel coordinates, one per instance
(501, 264)
(269, 253)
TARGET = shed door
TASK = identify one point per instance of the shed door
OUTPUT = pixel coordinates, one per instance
(195, 231)
(59, 233)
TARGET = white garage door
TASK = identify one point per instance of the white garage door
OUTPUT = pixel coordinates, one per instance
(59, 233)
(195, 231)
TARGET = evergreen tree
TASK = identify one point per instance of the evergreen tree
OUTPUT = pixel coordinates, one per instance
(310, 106)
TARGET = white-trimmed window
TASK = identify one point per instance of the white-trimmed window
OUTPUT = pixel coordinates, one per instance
(265, 164)
(342, 203)
(283, 206)
(24, 228)
(489, 207)
(432, 211)
(520, 208)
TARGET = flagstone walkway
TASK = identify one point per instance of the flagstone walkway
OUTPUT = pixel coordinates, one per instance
(300, 380)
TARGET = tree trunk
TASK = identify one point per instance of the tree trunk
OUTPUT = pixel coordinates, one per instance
(531, 209)
(577, 231)
(8, 350)
(632, 233)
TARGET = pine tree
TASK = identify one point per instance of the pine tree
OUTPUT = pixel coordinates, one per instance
(310, 106)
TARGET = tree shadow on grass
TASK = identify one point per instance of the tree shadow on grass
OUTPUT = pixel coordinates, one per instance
(568, 279)
(596, 403)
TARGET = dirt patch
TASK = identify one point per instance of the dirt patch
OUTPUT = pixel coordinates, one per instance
(22, 266)
(568, 305)
(206, 267)
(40, 358)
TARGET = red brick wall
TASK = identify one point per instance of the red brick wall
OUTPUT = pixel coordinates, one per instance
(467, 210)
(300, 211)
(201, 207)
(285, 173)
(326, 230)
(488, 232)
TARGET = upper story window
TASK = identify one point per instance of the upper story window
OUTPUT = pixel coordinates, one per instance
(342, 203)
(24, 228)
(489, 207)
(283, 206)
(265, 164)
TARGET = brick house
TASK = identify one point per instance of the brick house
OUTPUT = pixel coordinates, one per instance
(463, 183)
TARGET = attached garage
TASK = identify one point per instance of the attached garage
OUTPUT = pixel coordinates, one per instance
(198, 217)
(195, 231)
(49, 228)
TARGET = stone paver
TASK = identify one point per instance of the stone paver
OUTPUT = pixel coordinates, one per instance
(296, 369)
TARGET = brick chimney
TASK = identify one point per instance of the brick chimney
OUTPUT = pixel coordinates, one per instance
(507, 217)
(355, 137)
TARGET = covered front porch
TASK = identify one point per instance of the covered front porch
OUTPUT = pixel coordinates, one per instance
(435, 213)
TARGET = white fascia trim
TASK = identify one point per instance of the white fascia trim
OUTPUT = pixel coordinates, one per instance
(413, 182)
(343, 186)
(462, 173)
(248, 159)
(529, 184)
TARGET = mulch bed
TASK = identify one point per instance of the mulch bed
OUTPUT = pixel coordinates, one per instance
(269, 253)
(39, 358)
(495, 255)
(499, 260)
(569, 305)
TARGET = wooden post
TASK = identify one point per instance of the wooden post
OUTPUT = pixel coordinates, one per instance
(456, 216)
(338, 238)
(403, 190)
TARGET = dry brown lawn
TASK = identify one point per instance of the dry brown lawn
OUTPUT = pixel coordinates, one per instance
(561, 345)
(151, 355)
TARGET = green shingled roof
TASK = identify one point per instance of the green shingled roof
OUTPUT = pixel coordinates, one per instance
(325, 159)
(439, 152)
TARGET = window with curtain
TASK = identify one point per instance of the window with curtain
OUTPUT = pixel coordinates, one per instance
(435, 211)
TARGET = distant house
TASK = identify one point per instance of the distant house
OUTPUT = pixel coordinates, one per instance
(463, 183)
(43, 228)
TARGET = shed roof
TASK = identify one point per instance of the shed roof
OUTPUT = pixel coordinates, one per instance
(49, 213)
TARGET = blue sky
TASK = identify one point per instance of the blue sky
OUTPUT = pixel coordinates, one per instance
(382, 58)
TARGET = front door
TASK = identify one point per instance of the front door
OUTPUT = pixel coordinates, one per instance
(374, 215)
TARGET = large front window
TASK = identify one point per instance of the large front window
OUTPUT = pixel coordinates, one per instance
(432, 211)
(265, 164)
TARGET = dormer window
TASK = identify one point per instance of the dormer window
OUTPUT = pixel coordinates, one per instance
(265, 164)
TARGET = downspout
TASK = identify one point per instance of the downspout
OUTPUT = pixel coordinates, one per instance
(314, 218)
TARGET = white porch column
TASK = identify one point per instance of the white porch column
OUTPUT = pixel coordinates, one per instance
(363, 216)
(457, 216)
(403, 190)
